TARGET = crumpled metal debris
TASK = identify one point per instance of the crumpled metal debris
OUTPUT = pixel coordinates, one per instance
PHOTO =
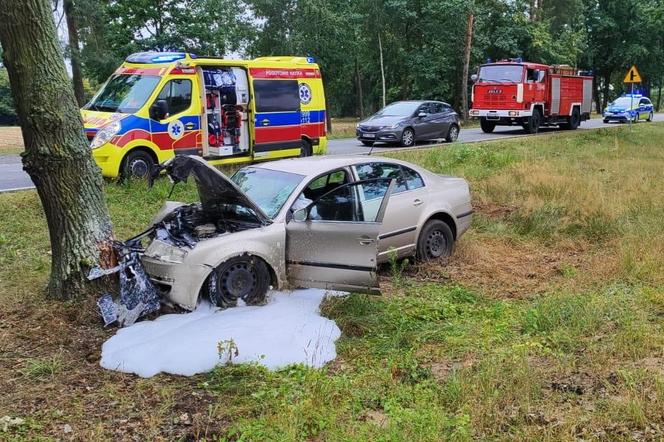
(138, 296)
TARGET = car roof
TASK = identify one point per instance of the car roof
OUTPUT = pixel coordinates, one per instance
(316, 165)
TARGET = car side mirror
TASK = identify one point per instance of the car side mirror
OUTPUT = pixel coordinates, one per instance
(159, 110)
(473, 78)
(301, 215)
(422, 114)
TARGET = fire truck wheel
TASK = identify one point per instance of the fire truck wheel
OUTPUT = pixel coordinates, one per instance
(137, 164)
(573, 121)
(487, 126)
(305, 150)
(452, 134)
(533, 124)
(408, 137)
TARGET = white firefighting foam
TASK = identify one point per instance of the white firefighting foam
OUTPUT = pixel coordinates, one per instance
(288, 330)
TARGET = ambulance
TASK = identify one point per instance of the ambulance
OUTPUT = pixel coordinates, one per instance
(160, 104)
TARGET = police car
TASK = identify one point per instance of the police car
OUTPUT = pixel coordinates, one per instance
(629, 107)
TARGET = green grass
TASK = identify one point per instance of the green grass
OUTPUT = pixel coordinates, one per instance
(545, 325)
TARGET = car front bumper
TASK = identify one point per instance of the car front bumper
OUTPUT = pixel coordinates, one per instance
(381, 136)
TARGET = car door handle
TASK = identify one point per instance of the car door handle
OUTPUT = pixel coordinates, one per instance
(265, 122)
(417, 202)
(189, 126)
(365, 240)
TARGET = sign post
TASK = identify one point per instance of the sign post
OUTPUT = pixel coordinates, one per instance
(632, 77)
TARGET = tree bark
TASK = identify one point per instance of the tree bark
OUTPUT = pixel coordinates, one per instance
(659, 95)
(382, 68)
(607, 84)
(75, 52)
(57, 156)
(466, 65)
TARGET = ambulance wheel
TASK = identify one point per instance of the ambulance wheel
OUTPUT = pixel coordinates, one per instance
(533, 123)
(243, 277)
(650, 117)
(408, 137)
(305, 150)
(487, 126)
(573, 121)
(137, 164)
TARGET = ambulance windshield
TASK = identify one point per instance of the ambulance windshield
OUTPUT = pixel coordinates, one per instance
(124, 93)
(501, 73)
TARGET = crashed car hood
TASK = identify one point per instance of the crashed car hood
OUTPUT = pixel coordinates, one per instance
(214, 188)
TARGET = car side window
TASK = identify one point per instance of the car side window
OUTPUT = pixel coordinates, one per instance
(177, 94)
(341, 204)
(412, 178)
(319, 187)
(426, 108)
(437, 108)
(382, 170)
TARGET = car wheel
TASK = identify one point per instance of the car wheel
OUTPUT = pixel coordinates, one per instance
(305, 149)
(137, 164)
(533, 124)
(436, 240)
(650, 117)
(452, 134)
(243, 277)
(635, 119)
(606, 121)
(573, 121)
(408, 137)
(367, 143)
(487, 126)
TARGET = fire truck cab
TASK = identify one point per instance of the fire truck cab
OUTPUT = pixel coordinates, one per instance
(531, 95)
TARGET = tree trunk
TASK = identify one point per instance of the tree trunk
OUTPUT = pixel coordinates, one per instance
(360, 95)
(382, 68)
(607, 84)
(57, 156)
(466, 65)
(598, 98)
(659, 95)
(75, 52)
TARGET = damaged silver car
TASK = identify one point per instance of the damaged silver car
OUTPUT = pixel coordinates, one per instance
(321, 222)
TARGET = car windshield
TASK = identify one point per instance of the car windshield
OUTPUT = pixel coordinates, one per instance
(399, 109)
(625, 102)
(269, 189)
(500, 73)
(124, 93)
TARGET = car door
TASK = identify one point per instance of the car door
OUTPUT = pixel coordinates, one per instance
(332, 243)
(179, 129)
(277, 118)
(399, 229)
(440, 121)
(423, 124)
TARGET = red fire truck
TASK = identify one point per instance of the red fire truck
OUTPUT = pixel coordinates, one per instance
(531, 95)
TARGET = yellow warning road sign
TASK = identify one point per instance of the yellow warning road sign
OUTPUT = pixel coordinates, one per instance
(632, 76)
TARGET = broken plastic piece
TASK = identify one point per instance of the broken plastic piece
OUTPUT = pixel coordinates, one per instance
(138, 296)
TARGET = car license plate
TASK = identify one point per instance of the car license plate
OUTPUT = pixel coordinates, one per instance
(366, 135)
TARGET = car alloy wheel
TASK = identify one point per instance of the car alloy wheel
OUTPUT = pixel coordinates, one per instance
(650, 116)
(407, 138)
(453, 134)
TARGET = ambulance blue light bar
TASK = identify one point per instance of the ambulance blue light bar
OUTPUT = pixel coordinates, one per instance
(157, 57)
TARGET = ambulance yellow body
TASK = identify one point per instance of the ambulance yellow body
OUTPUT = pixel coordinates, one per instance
(157, 105)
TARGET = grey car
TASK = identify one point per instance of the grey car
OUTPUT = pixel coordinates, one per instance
(320, 222)
(406, 122)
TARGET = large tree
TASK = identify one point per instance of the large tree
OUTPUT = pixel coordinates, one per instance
(57, 155)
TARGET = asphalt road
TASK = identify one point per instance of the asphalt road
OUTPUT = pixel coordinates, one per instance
(12, 177)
